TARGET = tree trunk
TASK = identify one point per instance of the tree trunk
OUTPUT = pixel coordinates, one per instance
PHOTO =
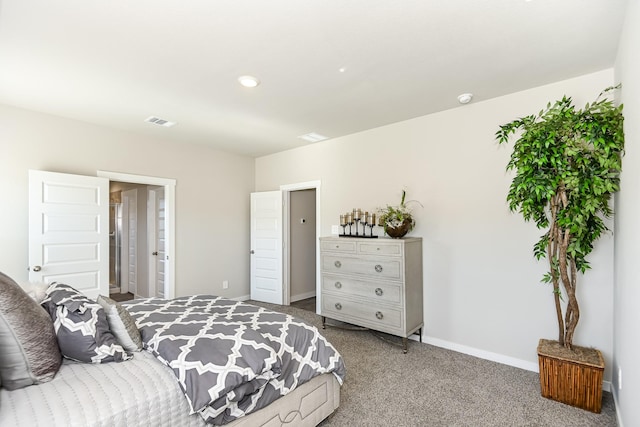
(573, 311)
(552, 254)
(568, 279)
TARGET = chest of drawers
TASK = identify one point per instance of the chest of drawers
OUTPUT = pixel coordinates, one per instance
(374, 283)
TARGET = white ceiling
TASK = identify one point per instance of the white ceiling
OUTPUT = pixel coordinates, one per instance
(117, 62)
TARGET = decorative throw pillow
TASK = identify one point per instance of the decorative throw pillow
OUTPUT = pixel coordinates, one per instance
(121, 324)
(81, 326)
(29, 351)
(37, 291)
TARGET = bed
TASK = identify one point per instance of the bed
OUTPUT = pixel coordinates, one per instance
(144, 392)
(156, 386)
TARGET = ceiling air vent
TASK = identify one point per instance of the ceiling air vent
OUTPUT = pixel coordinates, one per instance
(313, 137)
(160, 122)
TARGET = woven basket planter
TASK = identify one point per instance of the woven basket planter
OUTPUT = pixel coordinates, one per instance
(570, 381)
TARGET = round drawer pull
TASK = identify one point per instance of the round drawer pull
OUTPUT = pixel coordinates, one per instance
(379, 315)
(337, 246)
(338, 285)
(338, 264)
(339, 306)
(378, 268)
(379, 292)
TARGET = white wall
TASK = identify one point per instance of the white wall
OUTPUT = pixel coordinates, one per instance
(627, 247)
(212, 192)
(481, 282)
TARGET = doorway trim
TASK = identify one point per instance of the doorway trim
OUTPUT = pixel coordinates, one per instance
(286, 231)
(170, 208)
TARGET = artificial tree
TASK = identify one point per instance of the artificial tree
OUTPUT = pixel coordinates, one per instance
(567, 164)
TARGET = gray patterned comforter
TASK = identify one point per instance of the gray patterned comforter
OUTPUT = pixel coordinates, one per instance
(231, 358)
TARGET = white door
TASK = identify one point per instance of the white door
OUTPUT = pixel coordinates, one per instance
(266, 247)
(69, 231)
(129, 259)
(156, 205)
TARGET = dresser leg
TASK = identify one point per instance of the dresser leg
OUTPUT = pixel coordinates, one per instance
(420, 332)
(404, 345)
(324, 319)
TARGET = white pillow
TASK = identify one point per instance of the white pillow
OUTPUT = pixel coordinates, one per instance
(36, 290)
(122, 325)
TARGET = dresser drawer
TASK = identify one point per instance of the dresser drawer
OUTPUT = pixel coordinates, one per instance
(380, 248)
(383, 292)
(376, 317)
(373, 268)
(339, 245)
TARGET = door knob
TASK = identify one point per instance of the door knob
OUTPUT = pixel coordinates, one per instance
(37, 268)
(154, 253)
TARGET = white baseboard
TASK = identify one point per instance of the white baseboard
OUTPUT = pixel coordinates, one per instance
(300, 297)
(494, 357)
(241, 298)
(615, 401)
(483, 354)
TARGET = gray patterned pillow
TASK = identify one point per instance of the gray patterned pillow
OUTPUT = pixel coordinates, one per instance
(29, 351)
(81, 326)
(121, 324)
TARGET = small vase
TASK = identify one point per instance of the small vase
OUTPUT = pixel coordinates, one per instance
(400, 231)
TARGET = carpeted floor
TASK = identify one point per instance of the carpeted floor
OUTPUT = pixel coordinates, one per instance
(431, 386)
(308, 304)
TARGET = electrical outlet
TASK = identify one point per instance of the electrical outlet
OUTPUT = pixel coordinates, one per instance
(619, 378)
(225, 284)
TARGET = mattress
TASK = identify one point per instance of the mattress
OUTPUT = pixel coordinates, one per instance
(137, 392)
(143, 392)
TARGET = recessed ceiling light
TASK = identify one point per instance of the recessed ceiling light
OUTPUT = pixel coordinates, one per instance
(465, 98)
(313, 137)
(160, 122)
(248, 81)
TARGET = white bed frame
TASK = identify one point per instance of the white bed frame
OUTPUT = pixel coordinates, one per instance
(306, 406)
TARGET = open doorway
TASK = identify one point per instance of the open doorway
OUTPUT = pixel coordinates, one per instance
(302, 248)
(301, 221)
(128, 240)
(141, 234)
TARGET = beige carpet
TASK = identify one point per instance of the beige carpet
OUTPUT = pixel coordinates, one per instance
(431, 386)
(308, 304)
